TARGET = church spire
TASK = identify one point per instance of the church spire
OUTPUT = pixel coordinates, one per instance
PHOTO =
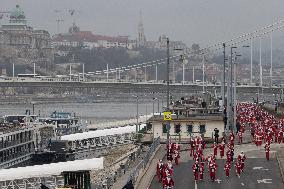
(141, 36)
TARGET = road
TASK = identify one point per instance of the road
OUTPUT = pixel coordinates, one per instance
(259, 173)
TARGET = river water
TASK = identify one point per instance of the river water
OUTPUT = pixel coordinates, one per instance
(94, 112)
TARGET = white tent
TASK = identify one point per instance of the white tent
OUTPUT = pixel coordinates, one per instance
(46, 170)
(99, 133)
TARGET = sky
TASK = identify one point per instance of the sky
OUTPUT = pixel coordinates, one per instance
(192, 21)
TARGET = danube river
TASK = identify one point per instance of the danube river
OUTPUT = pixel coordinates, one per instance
(94, 112)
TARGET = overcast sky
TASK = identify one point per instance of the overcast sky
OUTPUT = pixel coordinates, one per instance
(199, 21)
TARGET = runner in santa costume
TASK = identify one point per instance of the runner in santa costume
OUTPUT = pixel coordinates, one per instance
(168, 182)
(201, 171)
(231, 138)
(227, 169)
(267, 150)
(241, 159)
(159, 170)
(176, 156)
(215, 148)
(169, 155)
(170, 167)
(280, 136)
(238, 168)
(212, 170)
(192, 146)
(222, 148)
(228, 154)
(195, 170)
(240, 137)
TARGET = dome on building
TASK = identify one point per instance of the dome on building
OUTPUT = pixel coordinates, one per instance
(74, 28)
(17, 13)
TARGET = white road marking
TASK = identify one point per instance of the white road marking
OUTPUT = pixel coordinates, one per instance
(265, 181)
(218, 180)
(195, 185)
(260, 168)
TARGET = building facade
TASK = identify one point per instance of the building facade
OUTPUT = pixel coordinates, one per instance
(21, 44)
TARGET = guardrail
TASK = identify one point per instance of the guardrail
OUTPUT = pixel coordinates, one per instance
(142, 165)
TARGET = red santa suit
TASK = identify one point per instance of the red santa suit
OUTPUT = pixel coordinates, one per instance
(201, 171)
(240, 137)
(238, 168)
(168, 183)
(170, 167)
(267, 150)
(195, 170)
(228, 154)
(241, 159)
(176, 156)
(227, 169)
(215, 148)
(212, 170)
(280, 136)
(232, 138)
(159, 170)
(222, 149)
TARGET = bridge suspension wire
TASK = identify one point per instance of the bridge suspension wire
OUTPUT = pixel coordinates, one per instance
(211, 48)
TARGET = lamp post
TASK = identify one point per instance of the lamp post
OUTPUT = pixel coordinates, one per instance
(230, 93)
(224, 76)
(235, 91)
(137, 114)
(168, 87)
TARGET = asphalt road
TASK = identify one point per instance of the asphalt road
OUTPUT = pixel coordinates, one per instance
(259, 173)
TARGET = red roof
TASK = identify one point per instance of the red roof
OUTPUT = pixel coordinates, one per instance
(88, 36)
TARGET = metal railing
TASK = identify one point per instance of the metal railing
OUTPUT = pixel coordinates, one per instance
(142, 165)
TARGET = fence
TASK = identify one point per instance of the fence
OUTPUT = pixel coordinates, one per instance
(141, 166)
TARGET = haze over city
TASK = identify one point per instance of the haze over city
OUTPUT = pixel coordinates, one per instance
(191, 21)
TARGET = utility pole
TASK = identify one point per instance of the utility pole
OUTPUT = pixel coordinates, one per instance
(224, 76)
(251, 61)
(168, 88)
(203, 75)
(83, 72)
(107, 73)
(156, 72)
(271, 59)
(70, 72)
(137, 115)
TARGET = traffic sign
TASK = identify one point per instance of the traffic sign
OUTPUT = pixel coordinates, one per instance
(167, 116)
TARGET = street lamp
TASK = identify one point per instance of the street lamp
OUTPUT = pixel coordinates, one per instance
(230, 93)
(235, 91)
(137, 115)
(168, 88)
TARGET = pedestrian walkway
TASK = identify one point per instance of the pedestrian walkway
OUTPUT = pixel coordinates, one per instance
(145, 178)
(280, 159)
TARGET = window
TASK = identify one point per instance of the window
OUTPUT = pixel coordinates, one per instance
(202, 128)
(164, 128)
(189, 128)
(177, 128)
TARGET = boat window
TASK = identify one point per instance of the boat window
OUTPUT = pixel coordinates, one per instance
(189, 128)
(202, 128)
(177, 128)
(164, 128)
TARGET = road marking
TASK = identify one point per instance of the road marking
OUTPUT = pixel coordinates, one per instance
(242, 184)
(260, 168)
(218, 180)
(195, 185)
(265, 181)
